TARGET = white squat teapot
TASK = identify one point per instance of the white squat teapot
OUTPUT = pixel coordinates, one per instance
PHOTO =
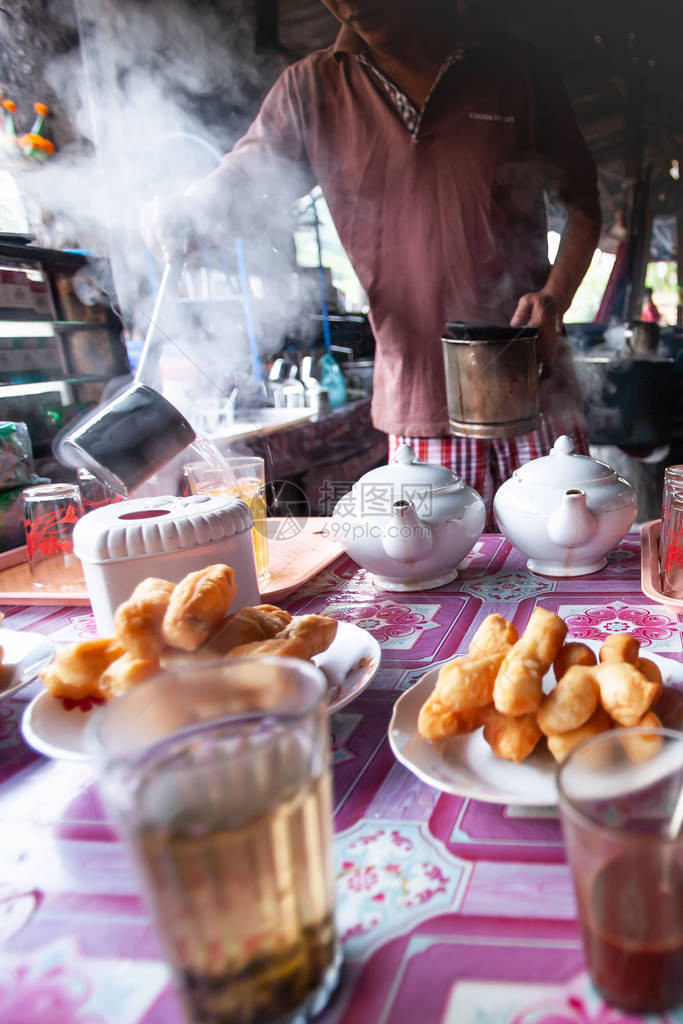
(409, 523)
(565, 511)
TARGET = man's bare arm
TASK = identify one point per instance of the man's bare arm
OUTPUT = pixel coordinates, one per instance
(544, 309)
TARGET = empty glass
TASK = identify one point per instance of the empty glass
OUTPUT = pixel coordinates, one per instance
(671, 533)
(50, 513)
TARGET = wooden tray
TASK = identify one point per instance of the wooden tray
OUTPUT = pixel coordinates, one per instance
(299, 549)
(650, 579)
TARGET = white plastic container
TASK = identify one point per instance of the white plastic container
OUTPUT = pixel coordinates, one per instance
(167, 537)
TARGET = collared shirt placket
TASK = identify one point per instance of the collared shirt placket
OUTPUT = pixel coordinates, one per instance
(406, 109)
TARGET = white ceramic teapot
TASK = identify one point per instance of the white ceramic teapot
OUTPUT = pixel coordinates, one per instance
(409, 523)
(565, 511)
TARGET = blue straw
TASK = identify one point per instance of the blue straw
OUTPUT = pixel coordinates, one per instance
(323, 302)
(321, 278)
(246, 297)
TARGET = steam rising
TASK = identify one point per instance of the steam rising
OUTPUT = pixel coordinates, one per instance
(158, 92)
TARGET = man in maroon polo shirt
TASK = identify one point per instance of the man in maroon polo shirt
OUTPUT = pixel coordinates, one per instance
(433, 144)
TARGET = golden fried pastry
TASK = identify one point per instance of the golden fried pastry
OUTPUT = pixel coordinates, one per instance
(249, 625)
(572, 654)
(495, 634)
(467, 683)
(436, 722)
(75, 673)
(125, 672)
(651, 673)
(80, 665)
(197, 605)
(562, 743)
(642, 748)
(137, 622)
(620, 647)
(304, 637)
(518, 688)
(571, 702)
(625, 693)
(510, 738)
(55, 685)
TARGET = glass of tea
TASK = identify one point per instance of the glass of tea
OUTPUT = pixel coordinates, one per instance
(218, 777)
(242, 477)
(621, 807)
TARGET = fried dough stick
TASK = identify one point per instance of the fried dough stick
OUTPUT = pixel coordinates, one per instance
(561, 744)
(620, 647)
(571, 703)
(510, 738)
(248, 625)
(436, 722)
(518, 686)
(304, 637)
(125, 672)
(572, 654)
(625, 693)
(137, 622)
(197, 605)
(467, 683)
(495, 634)
(642, 747)
(75, 673)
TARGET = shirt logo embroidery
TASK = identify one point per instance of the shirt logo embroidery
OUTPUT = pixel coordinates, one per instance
(504, 118)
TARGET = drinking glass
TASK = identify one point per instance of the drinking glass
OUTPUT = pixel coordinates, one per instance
(50, 514)
(621, 805)
(243, 477)
(94, 493)
(671, 533)
(219, 780)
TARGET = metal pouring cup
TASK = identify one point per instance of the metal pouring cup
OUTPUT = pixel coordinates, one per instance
(126, 440)
(492, 376)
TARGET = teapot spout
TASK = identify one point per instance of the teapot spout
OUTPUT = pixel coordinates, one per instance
(572, 524)
(406, 537)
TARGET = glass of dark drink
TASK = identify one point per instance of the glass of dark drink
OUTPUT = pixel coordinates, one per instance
(621, 805)
(218, 777)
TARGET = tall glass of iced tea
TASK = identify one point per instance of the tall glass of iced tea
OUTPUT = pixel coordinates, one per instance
(219, 780)
(243, 477)
(621, 804)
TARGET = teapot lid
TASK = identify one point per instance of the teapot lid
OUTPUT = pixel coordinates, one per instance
(564, 467)
(405, 469)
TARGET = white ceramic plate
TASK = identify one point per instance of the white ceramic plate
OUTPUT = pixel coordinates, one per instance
(24, 654)
(56, 728)
(466, 765)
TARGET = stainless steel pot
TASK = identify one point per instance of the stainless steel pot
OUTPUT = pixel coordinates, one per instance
(358, 374)
(627, 401)
(126, 440)
(642, 336)
(491, 379)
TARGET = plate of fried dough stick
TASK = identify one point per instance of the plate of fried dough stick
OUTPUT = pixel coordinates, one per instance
(22, 656)
(169, 627)
(495, 723)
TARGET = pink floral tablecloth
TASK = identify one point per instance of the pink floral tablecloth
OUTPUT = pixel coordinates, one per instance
(450, 910)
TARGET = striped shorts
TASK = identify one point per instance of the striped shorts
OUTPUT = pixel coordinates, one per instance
(485, 465)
